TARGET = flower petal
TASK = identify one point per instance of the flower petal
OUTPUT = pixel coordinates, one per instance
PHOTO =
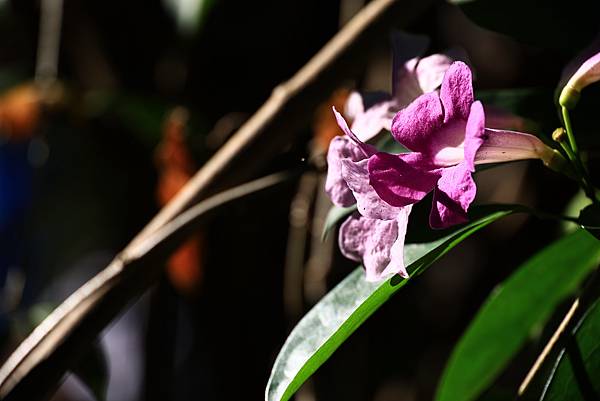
(353, 234)
(367, 150)
(401, 180)
(456, 92)
(368, 202)
(354, 105)
(396, 265)
(431, 70)
(407, 48)
(368, 124)
(588, 73)
(377, 243)
(474, 134)
(407, 86)
(503, 146)
(414, 125)
(452, 196)
(340, 148)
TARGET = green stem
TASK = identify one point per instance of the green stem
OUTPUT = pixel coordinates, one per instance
(570, 155)
(572, 152)
(569, 128)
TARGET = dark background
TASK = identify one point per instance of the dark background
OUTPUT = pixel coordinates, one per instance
(78, 185)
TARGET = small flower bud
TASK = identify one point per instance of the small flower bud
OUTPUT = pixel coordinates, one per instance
(559, 134)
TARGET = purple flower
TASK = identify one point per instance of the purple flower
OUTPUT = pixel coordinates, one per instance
(374, 235)
(379, 244)
(415, 77)
(447, 135)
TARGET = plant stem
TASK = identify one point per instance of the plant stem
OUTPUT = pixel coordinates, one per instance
(569, 128)
(572, 152)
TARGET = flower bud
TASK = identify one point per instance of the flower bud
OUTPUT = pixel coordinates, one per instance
(586, 74)
(559, 134)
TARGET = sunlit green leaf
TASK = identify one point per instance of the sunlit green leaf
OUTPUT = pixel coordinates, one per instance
(590, 219)
(346, 307)
(573, 208)
(517, 308)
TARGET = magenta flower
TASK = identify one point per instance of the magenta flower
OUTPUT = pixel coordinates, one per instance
(415, 77)
(378, 244)
(374, 235)
(447, 135)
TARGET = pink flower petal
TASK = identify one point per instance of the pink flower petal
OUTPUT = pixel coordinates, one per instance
(396, 265)
(368, 124)
(504, 146)
(353, 235)
(367, 149)
(407, 87)
(401, 180)
(452, 196)
(407, 49)
(456, 92)
(415, 125)
(368, 202)
(354, 106)
(379, 244)
(431, 70)
(474, 134)
(586, 74)
(340, 148)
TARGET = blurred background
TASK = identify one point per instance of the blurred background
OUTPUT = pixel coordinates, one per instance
(108, 107)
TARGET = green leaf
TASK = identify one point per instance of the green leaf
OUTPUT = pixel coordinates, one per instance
(329, 323)
(335, 214)
(576, 373)
(590, 219)
(578, 202)
(514, 311)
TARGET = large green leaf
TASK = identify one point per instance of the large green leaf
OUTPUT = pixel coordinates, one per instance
(575, 376)
(327, 325)
(514, 311)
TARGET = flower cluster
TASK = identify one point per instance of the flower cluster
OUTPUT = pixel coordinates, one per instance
(446, 134)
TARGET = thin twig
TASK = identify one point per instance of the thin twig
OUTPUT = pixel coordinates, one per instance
(569, 325)
(549, 346)
(275, 123)
(30, 373)
(41, 360)
(51, 12)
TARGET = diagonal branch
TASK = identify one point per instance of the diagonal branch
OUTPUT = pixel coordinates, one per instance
(273, 126)
(33, 370)
(40, 361)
